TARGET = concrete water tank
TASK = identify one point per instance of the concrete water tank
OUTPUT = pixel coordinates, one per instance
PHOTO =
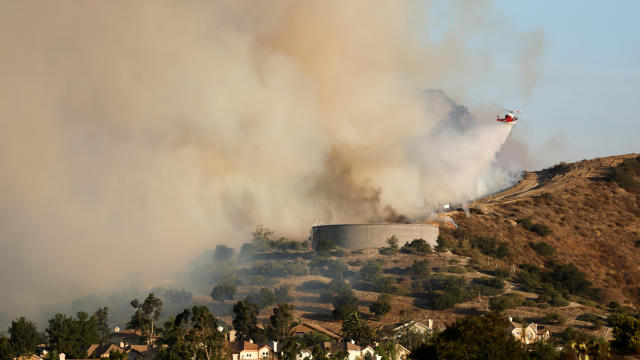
(362, 236)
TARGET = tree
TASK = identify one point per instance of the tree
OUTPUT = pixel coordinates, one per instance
(381, 306)
(541, 350)
(203, 333)
(291, 347)
(357, 329)
(6, 352)
(420, 269)
(192, 334)
(245, 318)
(223, 292)
(319, 352)
(263, 298)
(474, 338)
(280, 322)
(101, 317)
(23, 337)
(393, 242)
(387, 350)
(73, 336)
(344, 304)
(323, 246)
(417, 246)
(626, 333)
(147, 313)
(283, 293)
(443, 244)
(117, 355)
(370, 271)
(314, 337)
(223, 253)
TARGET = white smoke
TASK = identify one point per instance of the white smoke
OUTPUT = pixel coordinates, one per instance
(136, 134)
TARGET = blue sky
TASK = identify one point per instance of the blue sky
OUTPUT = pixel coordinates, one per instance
(585, 101)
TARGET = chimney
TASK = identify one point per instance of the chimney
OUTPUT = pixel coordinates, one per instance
(63, 356)
(353, 342)
(117, 329)
(251, 341)
(275, 346)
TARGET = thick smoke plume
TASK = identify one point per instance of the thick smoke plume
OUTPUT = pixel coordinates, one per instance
(136, 134)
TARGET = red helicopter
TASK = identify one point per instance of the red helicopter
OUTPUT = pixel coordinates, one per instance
(511, 117)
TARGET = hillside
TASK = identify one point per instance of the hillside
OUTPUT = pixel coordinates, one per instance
(561, 248)
(594, 223)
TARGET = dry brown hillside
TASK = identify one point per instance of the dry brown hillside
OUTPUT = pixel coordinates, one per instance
(595, 223)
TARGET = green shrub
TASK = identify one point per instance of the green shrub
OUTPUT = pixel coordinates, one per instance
(443, 244)
(502, 273)
(326, 296)
(543, 248)
(311, 285)
(385, 284)
(558, 302)
(626, 332)
(490, 246)
(447, 292)
(263, 298)
(340, 253)
(571, 334)
(344, 304)
(456, 269)
(387, 251)
(370, 271)
(592, 318)
(338, 284)
(420, 269)
(626, 175)
(490, 282)
(418, 246)
(381, 306)
(283, 293)
(223, 292)
(553, 319)
(507, 301)
(540, 229)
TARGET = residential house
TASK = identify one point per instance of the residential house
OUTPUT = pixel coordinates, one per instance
(306, 327)
(265, 352)
(528, 334)
(413, 327)
(230, 336)
(354, 351)
(402, 353)
(102, 350)
(142, 351)
(28, 357)
(305, 354)
(127, 337)
(241, 350)
(134, 352)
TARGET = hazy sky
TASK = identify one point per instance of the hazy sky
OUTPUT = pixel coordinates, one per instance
(584, 103)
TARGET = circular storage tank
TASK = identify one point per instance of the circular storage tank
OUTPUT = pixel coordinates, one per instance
(362, 236)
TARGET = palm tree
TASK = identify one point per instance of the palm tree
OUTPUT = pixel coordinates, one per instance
(357, 329)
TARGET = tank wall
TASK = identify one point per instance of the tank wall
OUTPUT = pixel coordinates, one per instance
(362, 236)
